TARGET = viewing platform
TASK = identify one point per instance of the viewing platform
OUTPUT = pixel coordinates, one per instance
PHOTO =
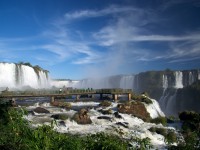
(12, 95)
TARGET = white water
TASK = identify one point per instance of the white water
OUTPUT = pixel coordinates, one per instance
(136, 127)
(64, 83)
(178, 79)
(7, 75)
(20, 76)
(154, 109)
(165, 82)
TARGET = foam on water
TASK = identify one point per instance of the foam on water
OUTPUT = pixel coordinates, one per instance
(136, 127)
(85, 104)
(154, 109)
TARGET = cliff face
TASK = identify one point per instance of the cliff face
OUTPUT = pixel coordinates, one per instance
(154, 82)
(167, 87)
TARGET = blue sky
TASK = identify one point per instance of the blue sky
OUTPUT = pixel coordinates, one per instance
(77, 39)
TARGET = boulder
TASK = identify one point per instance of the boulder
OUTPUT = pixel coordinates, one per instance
(82, 117)
(41, 110)
(62, 123)
(106, 112)
(137, 109)
(105, 117)
(117, 115)
(123, 124)
(60, 116)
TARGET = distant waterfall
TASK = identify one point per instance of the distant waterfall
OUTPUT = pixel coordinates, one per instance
(165, 82)
(168, 99)
(127, 82)
(178, 79)
(191, 78)
(21, 76)
(198, 75)
(162, 100)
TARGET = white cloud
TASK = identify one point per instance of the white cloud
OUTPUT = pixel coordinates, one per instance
(98, 13)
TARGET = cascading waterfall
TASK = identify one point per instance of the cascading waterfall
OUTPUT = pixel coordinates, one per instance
(21, 76)
(165, 82)
(127, 82)
(178, 79)
(198, 75)
(168, 99)
(162, 100)
(191, 78)
(7, 75)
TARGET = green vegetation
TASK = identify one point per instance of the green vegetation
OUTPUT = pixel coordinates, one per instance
(190, 131)
(141, 98)
(105, 104)
(158, 120)
(170, 136)
(17, 135)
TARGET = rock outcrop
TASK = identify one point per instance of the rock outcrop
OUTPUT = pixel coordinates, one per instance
(137, 109)
(41, 110)
(82, 117)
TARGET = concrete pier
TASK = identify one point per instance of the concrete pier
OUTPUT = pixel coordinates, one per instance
(52, 99)
(115, 97)
(129, 96)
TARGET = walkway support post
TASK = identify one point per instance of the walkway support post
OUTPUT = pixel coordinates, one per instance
(101, 96)
(52, 99)
(77, 97)
(129, 96)
(13, 102)
(115, 97)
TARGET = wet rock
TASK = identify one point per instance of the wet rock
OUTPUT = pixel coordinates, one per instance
(137, 109)
(117, 115)
(123, 124)
(105, 117)
(62, 123)
(60, 116)
(41, 110)
(106, 112)
(31, 112)
(82, 117)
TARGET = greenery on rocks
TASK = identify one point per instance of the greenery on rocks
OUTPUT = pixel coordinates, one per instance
(190, 131)
(170, 136)
(162, 120)
(105, 104)
(136, 108)
(141, 98)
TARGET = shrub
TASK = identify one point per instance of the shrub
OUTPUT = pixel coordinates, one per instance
(105, 104)
(171, 137)
(158, 120)
(161, 131)
(146, 100)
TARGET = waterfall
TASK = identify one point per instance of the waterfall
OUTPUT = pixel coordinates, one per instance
(7, 75)
(170, 104)
(191, 78)
(165, 82)
(127, 82)
(198, 75)
(20, 76)
(178, 79)
(162, 99)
